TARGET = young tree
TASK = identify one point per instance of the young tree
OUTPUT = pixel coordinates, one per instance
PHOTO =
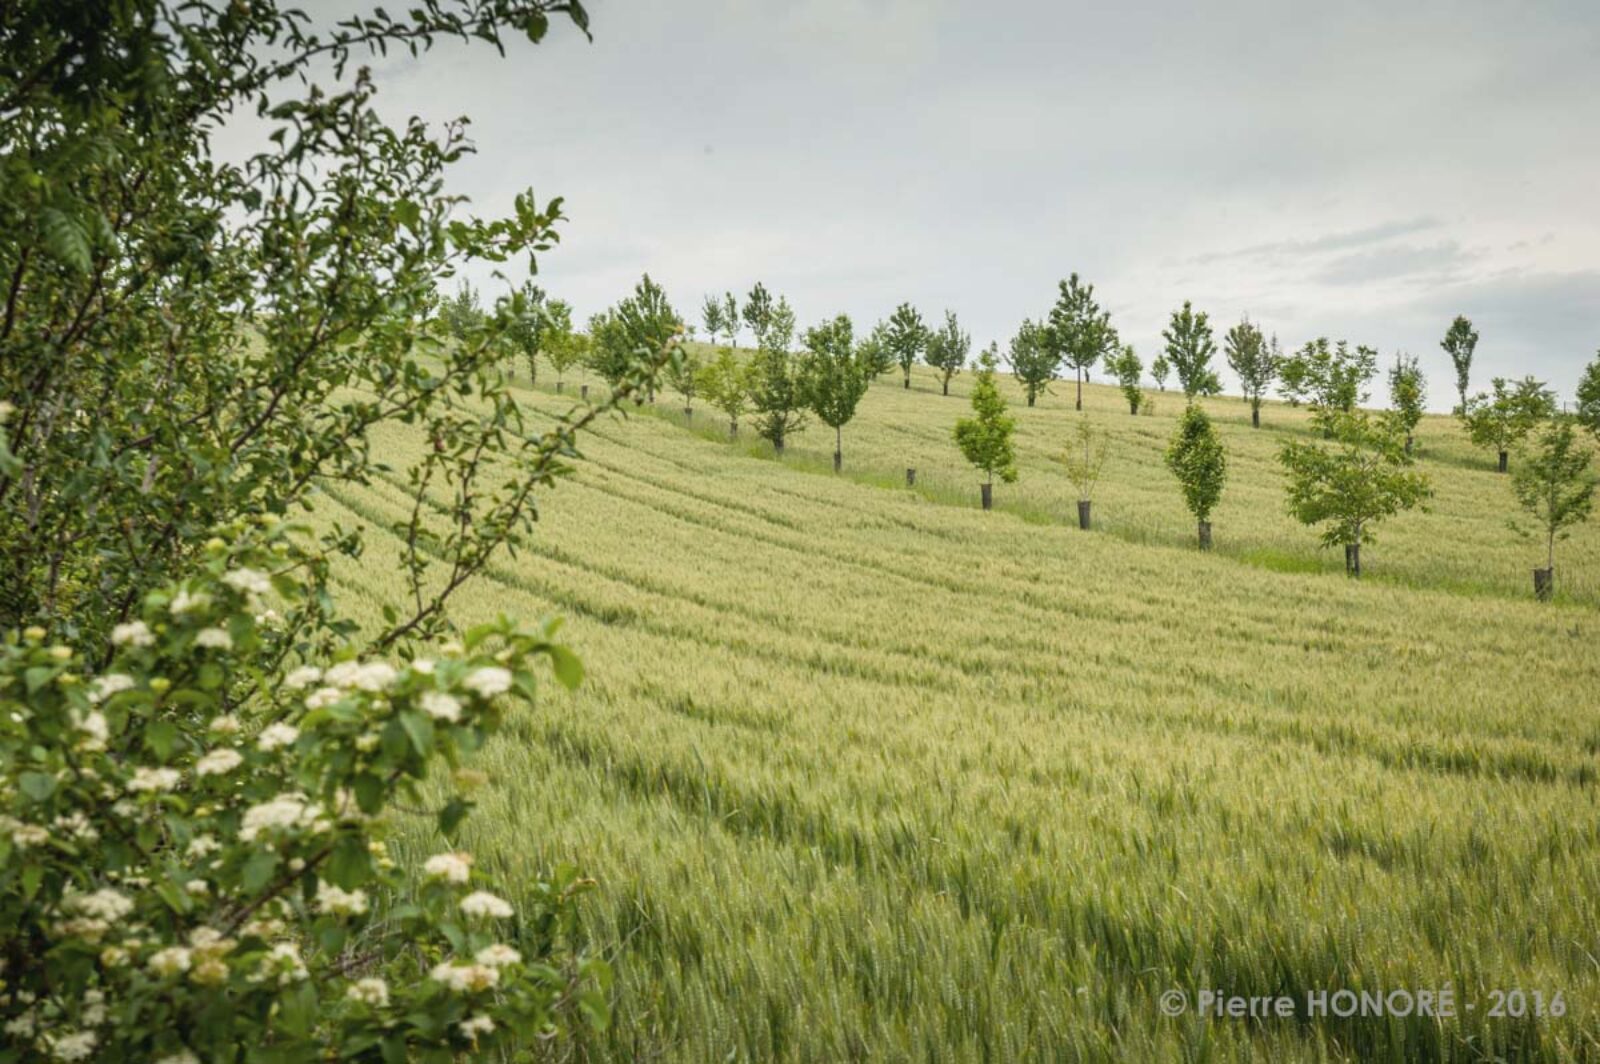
(528, 318)
(1554, 485)
(1352, 484)
(1589, 398)
(1408, 392)
(726, 384)
(875, 351)
(836, 377)
(1459, 343)
(758, 309)
(1255, 361)
(1197, 459)
(200, 754)
(1079, 332)
(1189, 350)
(559, 344)
(777, 389)
(1330, 378)
(1084, 461)
(683, 373)
(713, 316)
(985, 438)
(462, 313)
(947, 349)
(650, 327)
(1125, 365)
(1160, 369)
(1033, 358)
(906, 337)
(1503, 418)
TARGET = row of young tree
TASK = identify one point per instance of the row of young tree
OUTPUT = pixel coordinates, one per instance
(1360, 474)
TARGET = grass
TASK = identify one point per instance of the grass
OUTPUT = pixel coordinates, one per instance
(867, 773)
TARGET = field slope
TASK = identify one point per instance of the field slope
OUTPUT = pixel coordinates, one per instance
(867, 773)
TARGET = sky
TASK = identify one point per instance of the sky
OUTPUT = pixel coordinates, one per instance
(1361, 171)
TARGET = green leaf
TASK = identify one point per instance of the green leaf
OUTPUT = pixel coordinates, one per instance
(452, 814)
(37, 785)
(160, 738)
(369, 793)
(566, 666)
(420, 730)
(350, 865)
(257, 871)
(65, 239)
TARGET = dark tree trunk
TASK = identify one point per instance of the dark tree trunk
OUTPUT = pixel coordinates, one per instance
(558, 387)
(1030, 396)
(733, 430)
(1544, 584)
(1205, 535)
(1083, 514)
(583, 391)
(911, 477)
(838, 448)
(1133, 407)
(988, 495)
(1352, 559)
(688, 412)
(1408, 444)
(946, 383)
(1255, 415)
(777, 446)
(1080, 389)
(907, 381)
(1502, 461)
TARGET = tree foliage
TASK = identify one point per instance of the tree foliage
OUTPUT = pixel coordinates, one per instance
(1254, 360)
(1160, 369)
(199, 756)
(1189, 350)
(1196, 457)
(1588, 411)
(726, 384)
(1353, 482)
(836, 377)
(1460, 342)
(906, 337)
(1408, 393)
(1080, 332)
(777, 386)
(1502, 417)
(1124, 364)
(985, 438)
(1033, 358)
(947, 349)
(1330, 378)
(758, 311)
(462, 313)
(1553, 483)
(1085, 458)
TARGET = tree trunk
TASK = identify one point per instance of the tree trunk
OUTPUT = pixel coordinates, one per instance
(1030, 396)
(1255, 415)
(1083, 514)
(911, 477)
(1408, 445)
(988, 494)
(1205, 535)
(583, 391)
(1503, 457)
(733, 430)
(907, 381)
(838, 448)
(1544, 584)
(1080, 389)
(688, 412)
(946, 383)
(558, 387)
(777, 446)
(1133, 407)
(1352, 559)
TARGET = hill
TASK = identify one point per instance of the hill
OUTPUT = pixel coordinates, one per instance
(865, 772)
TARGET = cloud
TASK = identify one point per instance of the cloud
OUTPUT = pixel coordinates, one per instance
(1435, 263)
(1329, 242)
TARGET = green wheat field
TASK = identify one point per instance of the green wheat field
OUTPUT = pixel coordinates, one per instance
(865, 773)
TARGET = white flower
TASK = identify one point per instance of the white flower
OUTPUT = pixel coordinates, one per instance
(170, 961)
(284, 959)
(24, 834)
(227, 724)
(304, 676)
(423, 666)
(285, 811)
(368, 676)
(215, 638)
(450, 867)
(369, 991)
(109, 684)
(197, 888)
(95, 729)
(22, 1026)
(441, 706)
(74, 1045)
(473, 1026)
(482, 903)
(488, 681)
(247, 581)
(498, 956)
(339, 902)
(132, 634)
(465, 978)
(218, 762)
(103, 904)
(202, 846)
(186, 603)
(323, 696)
(154, 779)
(77, 825)
(275, 735)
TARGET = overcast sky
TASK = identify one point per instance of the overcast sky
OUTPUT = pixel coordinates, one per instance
(1356, 170)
